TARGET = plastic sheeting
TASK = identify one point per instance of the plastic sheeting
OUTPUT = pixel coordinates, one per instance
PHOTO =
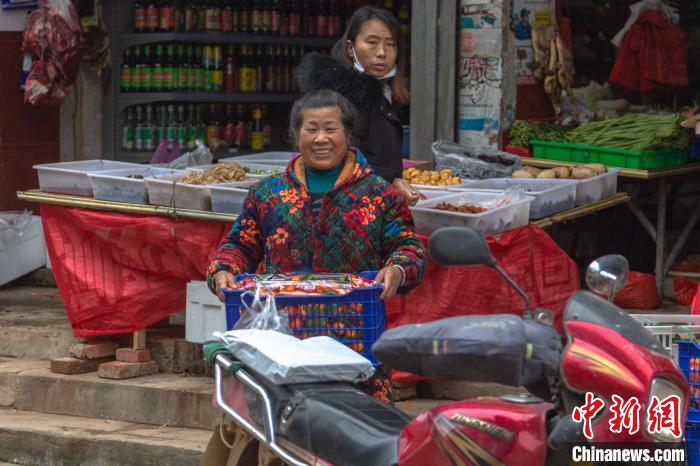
(122, 272)
(118, 273)
(528, 254)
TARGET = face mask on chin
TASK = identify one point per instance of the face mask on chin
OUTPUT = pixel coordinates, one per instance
(358, 66)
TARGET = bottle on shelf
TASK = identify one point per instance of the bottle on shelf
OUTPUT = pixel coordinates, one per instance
(169, 69)
(229, 131)
(256, 17)
(201, 69)
(190, 21)
(275, 16)
(191, 125)
(267, 16)
(135, 68)
(139, 16)
(310, 19)
(404, 16)
(246, 73)
(138, 130)
(152, 16)
(266, 129)
(245, 16)
(148, 129)
(125, 81)
(334, 21)
(322, 19)
(171, 128)
(256, 135)
(158, 82)
(181, 127)
(148, 69)
(179, 15)
(161, 117)
(128, 130)
(227, 16)
(213, 16)
(208, 63)
(183, 69)
(202, 16)
(271, 70)
(295, 25)
(260, 65)
(218, 70)
(283, 10)
(212, 131)
(230, 70)
(166, 21)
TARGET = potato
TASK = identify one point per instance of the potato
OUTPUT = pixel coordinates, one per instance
(581, 173)
(599, 168)
(534, 171)
(562, 172)
(522, 174)
(547, 174)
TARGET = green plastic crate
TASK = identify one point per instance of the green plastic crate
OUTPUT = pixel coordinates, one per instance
(609, 156)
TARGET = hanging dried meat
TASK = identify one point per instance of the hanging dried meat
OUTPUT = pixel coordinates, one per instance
(54, 39)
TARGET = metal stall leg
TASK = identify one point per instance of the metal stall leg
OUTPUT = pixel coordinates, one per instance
(660, 236)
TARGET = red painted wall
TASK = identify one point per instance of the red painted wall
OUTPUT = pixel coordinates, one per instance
(28, 135)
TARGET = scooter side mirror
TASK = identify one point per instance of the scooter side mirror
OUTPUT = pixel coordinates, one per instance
(460, 246)
(607, 275)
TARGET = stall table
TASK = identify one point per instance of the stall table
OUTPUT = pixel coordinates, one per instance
(663, 180)
(121, 267)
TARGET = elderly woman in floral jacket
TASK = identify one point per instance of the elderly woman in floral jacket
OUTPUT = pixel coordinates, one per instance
(328, 213)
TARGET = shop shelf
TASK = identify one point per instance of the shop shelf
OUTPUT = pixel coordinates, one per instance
(128, 39)
(609, 156)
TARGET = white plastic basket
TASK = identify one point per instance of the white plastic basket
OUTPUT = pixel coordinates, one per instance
(116, 185)
(551, 196)
(72, 177)
(670, 327)
(497, 220)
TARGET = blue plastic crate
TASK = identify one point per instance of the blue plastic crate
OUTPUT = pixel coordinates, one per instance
(356, 319)
(687, 351)
(692, 444)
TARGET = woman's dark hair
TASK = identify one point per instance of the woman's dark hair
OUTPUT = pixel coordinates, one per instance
(358, 19)
(320, 99)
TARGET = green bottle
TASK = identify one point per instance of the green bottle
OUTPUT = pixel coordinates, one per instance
(183, 68)
(169, 77)
(201, 72)
(147, 76)
(125, 81)
(157, 64)
(191, 127)
(135, 67)
(128, 131)
(181, 127)
(148, 130)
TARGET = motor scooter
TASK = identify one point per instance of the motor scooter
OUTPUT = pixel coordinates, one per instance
(603, 352)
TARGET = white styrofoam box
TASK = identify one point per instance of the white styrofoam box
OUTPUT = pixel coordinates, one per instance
(597, 188)
(228, 199)
(266, 158)
(204, 313)
(551, 196)
(22, 254)
(71, 177)
(431, 187)
(115, 185)
(496, 220)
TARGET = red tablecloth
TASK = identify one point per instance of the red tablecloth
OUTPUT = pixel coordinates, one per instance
(122, 272)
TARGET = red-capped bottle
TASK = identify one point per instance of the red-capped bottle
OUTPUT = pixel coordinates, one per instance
(227, 17)
(139, 16)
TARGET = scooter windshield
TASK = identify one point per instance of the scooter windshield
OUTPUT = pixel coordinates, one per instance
(587, 307)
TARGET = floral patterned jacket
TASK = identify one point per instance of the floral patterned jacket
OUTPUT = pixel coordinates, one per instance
(364, 224)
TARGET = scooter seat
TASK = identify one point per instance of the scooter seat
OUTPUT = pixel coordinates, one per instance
(343, 425)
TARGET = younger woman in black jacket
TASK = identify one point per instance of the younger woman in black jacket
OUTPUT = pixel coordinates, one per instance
(367, 66)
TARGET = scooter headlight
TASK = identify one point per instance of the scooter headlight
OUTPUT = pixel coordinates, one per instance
(662, 389)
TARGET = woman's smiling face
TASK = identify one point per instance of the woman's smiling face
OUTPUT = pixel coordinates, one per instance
(323, 141)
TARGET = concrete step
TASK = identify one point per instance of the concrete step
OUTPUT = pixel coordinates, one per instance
(33, 323)
(159, 399)
(52, 439)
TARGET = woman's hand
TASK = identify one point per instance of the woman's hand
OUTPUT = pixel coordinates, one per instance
(407, 190)
(392, 277)
(223, 279)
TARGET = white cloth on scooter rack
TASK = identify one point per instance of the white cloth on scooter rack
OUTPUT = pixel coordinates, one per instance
(285, 359)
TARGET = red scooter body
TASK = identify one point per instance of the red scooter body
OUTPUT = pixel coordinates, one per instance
(600, 360)
(596, 359)
(489, 431)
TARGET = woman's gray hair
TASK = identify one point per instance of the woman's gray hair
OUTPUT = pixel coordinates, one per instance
(320, 99)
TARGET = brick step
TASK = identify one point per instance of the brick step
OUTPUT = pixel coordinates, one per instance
(159, 399)
(53, 439)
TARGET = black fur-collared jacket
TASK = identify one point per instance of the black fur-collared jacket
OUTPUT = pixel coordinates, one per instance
(378, 132)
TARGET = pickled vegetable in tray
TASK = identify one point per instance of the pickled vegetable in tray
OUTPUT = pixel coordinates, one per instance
(306, 284)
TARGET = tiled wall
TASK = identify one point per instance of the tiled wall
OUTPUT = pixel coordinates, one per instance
(28, 135)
